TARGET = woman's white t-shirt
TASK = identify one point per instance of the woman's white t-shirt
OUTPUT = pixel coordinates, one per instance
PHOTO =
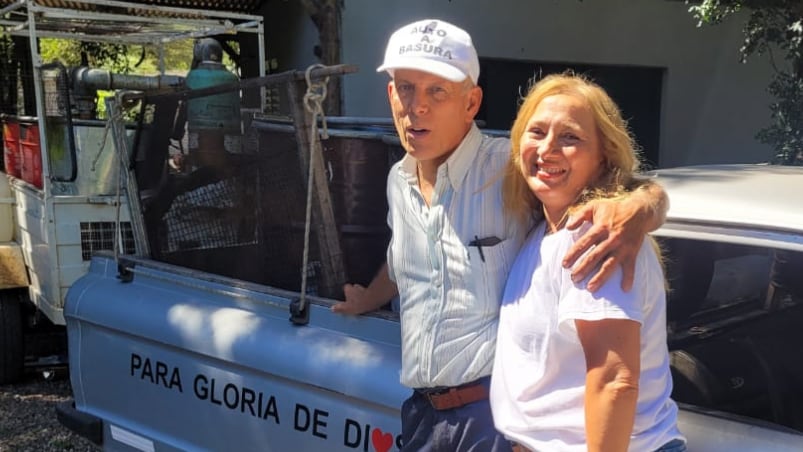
(538, 379)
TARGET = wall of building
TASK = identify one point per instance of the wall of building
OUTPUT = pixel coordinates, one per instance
(711, 106)
(290, 40)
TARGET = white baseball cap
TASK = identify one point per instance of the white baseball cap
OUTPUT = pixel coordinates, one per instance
(433, 46)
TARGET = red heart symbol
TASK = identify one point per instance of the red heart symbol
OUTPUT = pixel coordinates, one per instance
(381, 440)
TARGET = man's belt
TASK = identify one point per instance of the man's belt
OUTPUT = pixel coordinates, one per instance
(456, 397)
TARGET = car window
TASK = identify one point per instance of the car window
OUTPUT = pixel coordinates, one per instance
(738, 279)
(705, 279)
(734, 313)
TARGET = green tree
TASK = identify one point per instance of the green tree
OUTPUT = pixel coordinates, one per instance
(118, 58)
(773, 27)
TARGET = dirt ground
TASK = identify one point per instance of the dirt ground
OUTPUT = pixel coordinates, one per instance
(28, 418)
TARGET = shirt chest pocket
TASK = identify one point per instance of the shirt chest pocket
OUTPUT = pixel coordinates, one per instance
(489, 267)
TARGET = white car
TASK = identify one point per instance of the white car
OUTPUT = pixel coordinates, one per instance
(733, 249)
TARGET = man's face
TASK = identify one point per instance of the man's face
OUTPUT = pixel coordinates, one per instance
(432, 114)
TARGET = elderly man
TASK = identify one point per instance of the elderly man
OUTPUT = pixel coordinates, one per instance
(452, 246)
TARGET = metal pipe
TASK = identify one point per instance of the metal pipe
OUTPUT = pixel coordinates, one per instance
(94, 79)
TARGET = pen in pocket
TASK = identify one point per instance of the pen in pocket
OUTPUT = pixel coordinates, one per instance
(485, 241)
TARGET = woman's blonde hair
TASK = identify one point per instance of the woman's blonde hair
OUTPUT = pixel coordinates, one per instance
(618, 147)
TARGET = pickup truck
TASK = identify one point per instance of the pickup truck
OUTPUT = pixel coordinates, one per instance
(163, 358)
(201, 346)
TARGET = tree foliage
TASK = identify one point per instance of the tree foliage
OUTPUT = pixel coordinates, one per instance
(773, 27)
(119, 58)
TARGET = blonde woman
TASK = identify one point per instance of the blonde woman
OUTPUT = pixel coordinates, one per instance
(576, 370)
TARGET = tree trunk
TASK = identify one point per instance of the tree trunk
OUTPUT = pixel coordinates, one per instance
(325, 14)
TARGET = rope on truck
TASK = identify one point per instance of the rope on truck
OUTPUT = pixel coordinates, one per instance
(313, 103)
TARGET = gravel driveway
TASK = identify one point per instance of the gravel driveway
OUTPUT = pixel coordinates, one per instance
(28, 417)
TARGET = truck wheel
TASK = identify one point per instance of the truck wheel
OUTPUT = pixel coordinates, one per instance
(11, 347)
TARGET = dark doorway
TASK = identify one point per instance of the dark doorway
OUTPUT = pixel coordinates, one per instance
(637, 90)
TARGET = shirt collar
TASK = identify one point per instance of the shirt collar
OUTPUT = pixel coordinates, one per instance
(456, 166)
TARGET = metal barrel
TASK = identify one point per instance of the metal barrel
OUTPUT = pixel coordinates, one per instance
(357, 159)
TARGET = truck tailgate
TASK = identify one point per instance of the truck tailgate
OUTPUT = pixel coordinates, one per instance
(168, 361)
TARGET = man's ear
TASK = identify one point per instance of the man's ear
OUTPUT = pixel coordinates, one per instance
(391, 88)
(474, 102)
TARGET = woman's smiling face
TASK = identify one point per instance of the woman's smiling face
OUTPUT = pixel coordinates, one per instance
(560, 152)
